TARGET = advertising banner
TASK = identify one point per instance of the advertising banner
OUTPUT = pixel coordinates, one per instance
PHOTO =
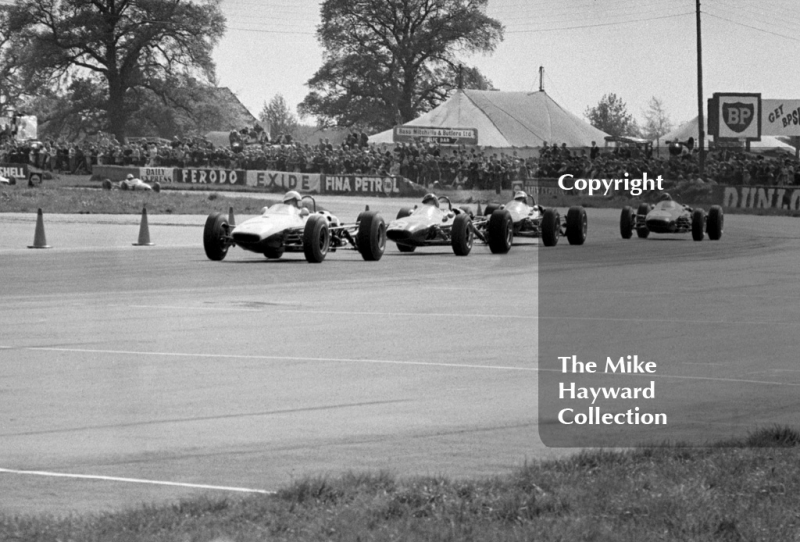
(735, 116)
(538, 187)
(371, 185)
(758, 197)
(280, 181)
(17, 171)
(209, 176)
(157, 174)
(781, 117)
(443, 136)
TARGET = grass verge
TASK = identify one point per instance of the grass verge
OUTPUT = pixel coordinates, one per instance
(736, 490)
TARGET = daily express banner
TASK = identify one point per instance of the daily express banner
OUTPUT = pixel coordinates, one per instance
(758, 197)
(539, 187)
(157, 174)
(371, 185)
(282, 181)
(780, 117)
(209, 176)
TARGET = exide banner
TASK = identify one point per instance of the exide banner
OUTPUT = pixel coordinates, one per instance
(211, 176)
(282, 181)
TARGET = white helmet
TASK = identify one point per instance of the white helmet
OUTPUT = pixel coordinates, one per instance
(129, 176)
(292, 195)
(430, 199)
(519, 195)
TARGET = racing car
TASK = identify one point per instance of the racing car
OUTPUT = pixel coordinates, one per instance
(435, 223)
(131, 183)
(669, 216)
(290, 226)
(529, 219)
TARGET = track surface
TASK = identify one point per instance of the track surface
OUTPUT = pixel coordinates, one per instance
(155, 364)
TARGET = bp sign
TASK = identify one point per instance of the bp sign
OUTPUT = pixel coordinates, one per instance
(735, 116)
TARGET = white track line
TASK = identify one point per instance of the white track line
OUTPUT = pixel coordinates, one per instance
(134, 481)
(352, 313)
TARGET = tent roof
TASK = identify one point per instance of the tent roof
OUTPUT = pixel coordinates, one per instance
(690, 129)
(507, 119)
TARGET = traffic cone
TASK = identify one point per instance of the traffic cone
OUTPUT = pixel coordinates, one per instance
(144, 232)
(39, 240)
(366, 208)
(480, 211)
(231, 220)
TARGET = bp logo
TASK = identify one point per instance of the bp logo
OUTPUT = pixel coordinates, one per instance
(738, 116)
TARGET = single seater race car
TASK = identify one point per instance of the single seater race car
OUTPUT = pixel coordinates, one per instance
(291, 227)
(529, 219)
(669, 216)
(131, 183)
(435, 223)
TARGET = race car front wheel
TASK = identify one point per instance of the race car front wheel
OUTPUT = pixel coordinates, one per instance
(214, 234)
(551, 227)
(316, 239)
(698, 224)
(461, 235)
(626, 222)
(371, 236)
(642, 231)
(500, 231)
(577, 225)
(714, 223)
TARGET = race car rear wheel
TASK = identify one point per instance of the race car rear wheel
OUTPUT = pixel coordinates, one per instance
(461, 235)
(107, 184)
(577, 225)
(214, 234)
(490, 209)
(156, 187)
(406, 248)
(274, 253)
(642, 231)
(698, 224)
(551, 227)
(500, 231)
(626, 222)
(371, 236)
(715, 222)
(404, 212)
(316, 239)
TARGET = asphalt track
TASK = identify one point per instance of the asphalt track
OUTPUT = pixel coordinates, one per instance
(158, 374)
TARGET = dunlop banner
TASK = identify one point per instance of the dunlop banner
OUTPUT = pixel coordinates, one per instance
(371, 185)
(157, 174)
(209, 176)
(283, 181)
(758, 197)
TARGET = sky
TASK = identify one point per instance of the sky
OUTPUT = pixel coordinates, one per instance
(636, 49)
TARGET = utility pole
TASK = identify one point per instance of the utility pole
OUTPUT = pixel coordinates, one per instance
(541, 78)
(700, 116)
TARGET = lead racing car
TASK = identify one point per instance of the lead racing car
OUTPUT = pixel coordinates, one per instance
(669, 216)
(528, 219)
(132, 183)
(290, 226)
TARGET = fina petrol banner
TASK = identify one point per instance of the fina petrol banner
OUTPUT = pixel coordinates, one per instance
(371, 185)
(780, 117)
(280, 181)
(757, 197)
(17, 171)
(209, 176)
(157, 174)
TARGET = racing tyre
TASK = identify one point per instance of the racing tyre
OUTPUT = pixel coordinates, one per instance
(715, 223)
(550, 227)
(500, 231)
(490, 209)
(577, 225)
(698, 224)
(626, 222)
(642, 232)
(124, 186)
(214, 234)
(316, 239)
(107, 184)
(371, 236)
(274, 253)
(157, 187)
(406, 248)
(403, 212)
(462, 236)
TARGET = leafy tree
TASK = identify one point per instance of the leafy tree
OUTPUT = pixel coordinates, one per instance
(277, 117)
(657, 122)
(386, 61)
(125, 50)
(611, 116)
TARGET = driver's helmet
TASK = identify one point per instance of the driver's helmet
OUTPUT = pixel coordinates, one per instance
(430, 199)
(665, 197)
(129, 177)
(292, 197)
(519, 195)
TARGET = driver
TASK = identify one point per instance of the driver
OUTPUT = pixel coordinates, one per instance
(292, 198)
(430, 199)
(665, 197)
(519, 195)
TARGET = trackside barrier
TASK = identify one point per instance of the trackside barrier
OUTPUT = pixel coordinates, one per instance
(757, 197)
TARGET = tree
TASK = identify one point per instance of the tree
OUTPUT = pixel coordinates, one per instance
(277, 117)
(611, 116)
(657, 121)
(127, 49)
(386, 61)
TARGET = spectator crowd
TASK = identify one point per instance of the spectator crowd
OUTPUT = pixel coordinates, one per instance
(423, 163)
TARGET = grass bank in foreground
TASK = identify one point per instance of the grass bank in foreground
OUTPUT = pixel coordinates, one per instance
(743, 490)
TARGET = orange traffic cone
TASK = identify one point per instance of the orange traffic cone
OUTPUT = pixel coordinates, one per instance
(231, 220)
(480, 212)
(144, 232)
(367, 208)
(39, 240)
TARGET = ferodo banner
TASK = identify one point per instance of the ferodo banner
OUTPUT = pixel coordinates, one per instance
(18, 171)
(781, 117)
(371, 185)
(157, 174)
(758, 197)
(282, 181)
(210, 176)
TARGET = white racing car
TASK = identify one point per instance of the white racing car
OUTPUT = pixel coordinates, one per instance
(291, 227)
(131, 183)
(532, 220)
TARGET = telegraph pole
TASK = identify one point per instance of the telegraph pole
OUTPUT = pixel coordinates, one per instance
(541, 78)
(700, 116)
